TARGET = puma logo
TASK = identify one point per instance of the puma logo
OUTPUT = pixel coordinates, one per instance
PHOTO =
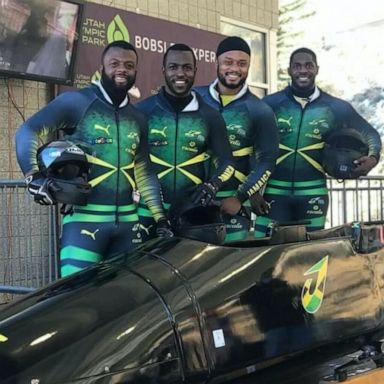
(89, 233)
(286, 121)
(101, 128)
(139, 226)
(146, 229)
(159, 131)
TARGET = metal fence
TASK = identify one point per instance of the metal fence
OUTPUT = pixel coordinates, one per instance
(29, 232)
(29, 241)
(355, 200)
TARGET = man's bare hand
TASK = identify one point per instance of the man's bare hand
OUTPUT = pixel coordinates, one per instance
(363, 165)
(258, 205)
(230, 206)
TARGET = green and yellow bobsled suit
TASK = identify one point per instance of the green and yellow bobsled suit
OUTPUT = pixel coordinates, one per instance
(297, 190)
(252, 133)
(181, 145)
(116, 138)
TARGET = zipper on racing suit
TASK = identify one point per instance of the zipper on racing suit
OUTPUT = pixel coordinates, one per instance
(302, 110)
(175, 156)
(117, 119)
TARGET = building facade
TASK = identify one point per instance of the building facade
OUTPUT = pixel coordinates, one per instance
(255, 20)
(28, 232)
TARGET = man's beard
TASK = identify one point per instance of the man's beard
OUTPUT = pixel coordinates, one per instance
(222, 80)
(116, 93)
(171, 87)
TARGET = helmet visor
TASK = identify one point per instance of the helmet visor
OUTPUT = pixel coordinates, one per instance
(69, 171)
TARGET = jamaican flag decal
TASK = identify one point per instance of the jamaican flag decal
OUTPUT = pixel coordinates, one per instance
(312, 293)
(3, 338)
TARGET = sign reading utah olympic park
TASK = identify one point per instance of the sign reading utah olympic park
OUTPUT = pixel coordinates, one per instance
(151, 38)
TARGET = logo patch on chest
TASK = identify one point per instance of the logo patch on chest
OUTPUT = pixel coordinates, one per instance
(158, 143)
(234, 141)
(102, 140)
(191, 147)
(236, 129)
(315, 134)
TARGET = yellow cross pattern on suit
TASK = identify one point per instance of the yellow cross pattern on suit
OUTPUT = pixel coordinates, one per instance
(301, 152)
(180, 167)
(113, 169)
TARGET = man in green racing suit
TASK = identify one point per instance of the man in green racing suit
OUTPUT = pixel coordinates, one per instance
(252, 133)
(297, 190)
(100, 118)
(184, 135)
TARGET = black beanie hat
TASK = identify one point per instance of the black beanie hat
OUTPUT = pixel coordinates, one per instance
(233, 43)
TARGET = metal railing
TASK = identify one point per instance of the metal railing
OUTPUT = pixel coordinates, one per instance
(355, 200)
(29, 241)
(29, 233)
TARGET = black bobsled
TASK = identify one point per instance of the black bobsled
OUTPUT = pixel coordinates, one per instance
(184, 311)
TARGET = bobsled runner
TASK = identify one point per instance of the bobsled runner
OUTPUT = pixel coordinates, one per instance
(184, 311)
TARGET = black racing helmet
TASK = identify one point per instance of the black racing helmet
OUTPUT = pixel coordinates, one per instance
(342, 147)
(66, 165)
(197, 222)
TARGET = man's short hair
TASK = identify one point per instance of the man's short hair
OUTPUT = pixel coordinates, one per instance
(303, 50)
(118, 44)
(179, 47)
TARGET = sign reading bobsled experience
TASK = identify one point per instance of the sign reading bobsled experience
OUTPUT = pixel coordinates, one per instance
(151, 38)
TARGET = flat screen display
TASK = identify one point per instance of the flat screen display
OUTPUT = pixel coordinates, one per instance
(38, 39)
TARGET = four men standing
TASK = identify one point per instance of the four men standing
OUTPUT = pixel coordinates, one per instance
(219, 141)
